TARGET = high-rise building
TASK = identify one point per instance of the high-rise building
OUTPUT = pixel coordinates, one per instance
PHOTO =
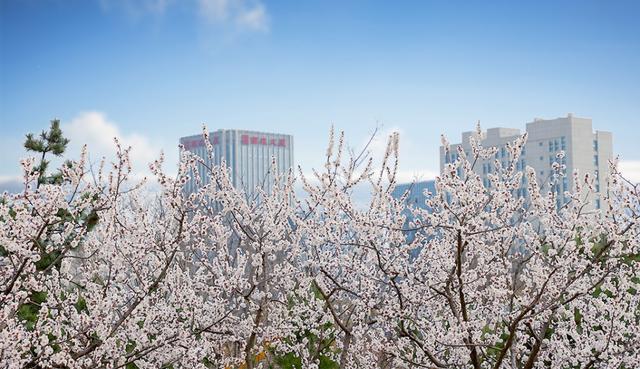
(417, 192)
(247, 154)
(585, 151)
(417, 196)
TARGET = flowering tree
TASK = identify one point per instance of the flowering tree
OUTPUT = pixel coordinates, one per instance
(96, 272)
(357, 255)
(504, 281)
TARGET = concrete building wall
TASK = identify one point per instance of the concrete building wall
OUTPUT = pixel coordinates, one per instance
(603, 153)
(586, 151)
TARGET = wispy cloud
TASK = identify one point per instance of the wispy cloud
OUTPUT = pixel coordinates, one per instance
(214, 10)
(243, 15)
(254, 18)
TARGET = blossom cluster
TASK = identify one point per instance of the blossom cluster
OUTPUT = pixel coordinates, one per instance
(97, 272)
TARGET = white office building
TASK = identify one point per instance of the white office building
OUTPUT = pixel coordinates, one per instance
(586, 151)
(247, 154)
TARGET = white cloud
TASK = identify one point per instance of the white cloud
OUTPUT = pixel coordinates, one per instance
(630, 170)
(409, 170)
(243, 15)
(94, 129)
(246, 15)
(214, 10)
(255, 18)
(98, 133)
(378, 145)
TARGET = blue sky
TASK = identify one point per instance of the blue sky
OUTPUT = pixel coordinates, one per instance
(150, 71)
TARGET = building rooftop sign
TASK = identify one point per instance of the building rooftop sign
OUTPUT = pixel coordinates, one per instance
(245, 139)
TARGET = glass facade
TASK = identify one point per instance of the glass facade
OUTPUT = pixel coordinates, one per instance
(248, 155)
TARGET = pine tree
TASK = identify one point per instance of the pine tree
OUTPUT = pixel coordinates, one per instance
(47, 142)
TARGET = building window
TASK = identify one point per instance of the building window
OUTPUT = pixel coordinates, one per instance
(540, 143)
(541, 158)
(595, 145)
(595, 160)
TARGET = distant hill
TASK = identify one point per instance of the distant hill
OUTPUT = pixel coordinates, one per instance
(11, 185)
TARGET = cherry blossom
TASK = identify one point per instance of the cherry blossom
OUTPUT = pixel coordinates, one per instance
(97, 271)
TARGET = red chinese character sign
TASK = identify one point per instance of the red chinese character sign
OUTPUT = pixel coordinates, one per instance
(198, 142)
(245, 139)
(262, 140)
